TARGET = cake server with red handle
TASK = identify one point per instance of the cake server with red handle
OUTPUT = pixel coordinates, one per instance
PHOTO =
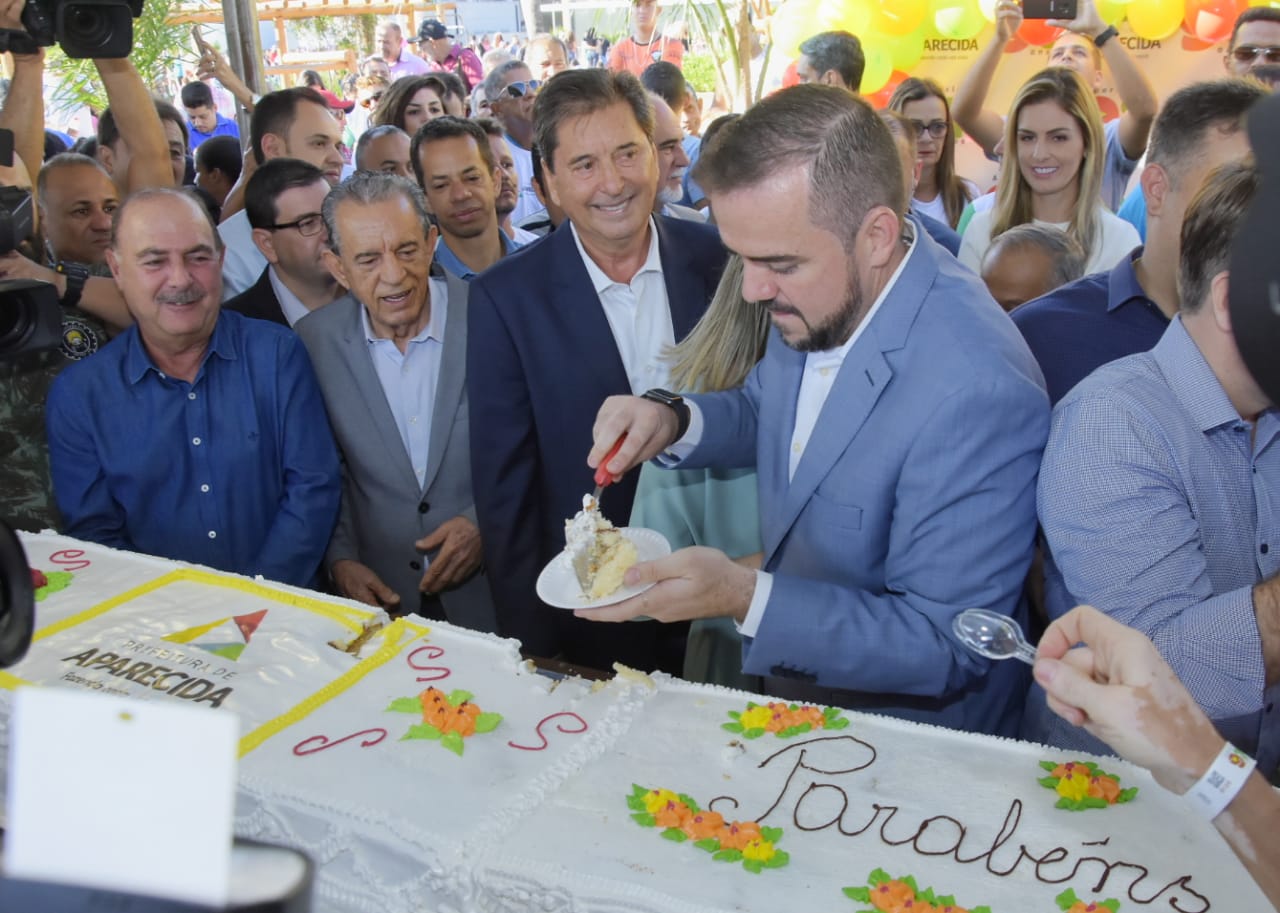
(603, 476)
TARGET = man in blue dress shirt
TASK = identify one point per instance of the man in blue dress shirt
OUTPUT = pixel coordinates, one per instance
(202, 115)
(197, 434)
(1160, 498)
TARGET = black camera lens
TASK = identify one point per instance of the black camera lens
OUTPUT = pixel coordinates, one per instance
(88, 26)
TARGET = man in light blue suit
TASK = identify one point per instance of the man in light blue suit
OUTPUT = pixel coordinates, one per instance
(896, 421)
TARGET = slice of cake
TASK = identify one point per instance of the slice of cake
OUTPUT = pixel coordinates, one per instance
(600, 554)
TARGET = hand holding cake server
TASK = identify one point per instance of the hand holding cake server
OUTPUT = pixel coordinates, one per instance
(896, 423)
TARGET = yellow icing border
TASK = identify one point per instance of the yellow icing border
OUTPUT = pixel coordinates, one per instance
(393, 640)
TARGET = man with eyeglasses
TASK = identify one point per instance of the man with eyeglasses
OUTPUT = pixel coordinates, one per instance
(1085, 43)
(223, 455)
(1255, 41)
(282, 201)
(511, 90)
(293, 123)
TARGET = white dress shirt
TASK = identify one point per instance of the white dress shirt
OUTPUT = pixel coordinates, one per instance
(409, 378)
(639, 315)
(242, 262)
(292, 306)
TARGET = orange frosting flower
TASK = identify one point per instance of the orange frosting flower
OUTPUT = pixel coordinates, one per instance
(673, 814)
(891, 895)
(1104, 788)
(738, 834)
(703, 825)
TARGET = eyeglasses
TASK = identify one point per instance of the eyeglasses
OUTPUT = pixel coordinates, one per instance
(521, 89)
(1248, 53)
(371, 100)
(308, 226)
(935, 128)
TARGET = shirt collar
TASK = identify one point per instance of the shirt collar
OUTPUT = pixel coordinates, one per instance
(224, 343)
(1191, 380)
(837, 355)
(601, 282)
(449, 260)
(290, 304)
(1123, 285)
(435, 323)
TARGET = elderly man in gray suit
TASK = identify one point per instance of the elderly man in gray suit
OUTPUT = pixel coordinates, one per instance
(390, 355)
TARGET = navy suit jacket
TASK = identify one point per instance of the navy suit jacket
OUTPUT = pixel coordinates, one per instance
(914, 499)
(541, 359)
(258, 301)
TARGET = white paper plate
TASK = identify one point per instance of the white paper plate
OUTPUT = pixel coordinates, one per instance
(558, 584)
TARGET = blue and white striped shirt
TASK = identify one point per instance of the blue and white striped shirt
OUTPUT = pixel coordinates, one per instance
(1161, 506)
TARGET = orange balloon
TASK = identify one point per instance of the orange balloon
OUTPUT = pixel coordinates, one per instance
(1035, 33)
(1212, 20)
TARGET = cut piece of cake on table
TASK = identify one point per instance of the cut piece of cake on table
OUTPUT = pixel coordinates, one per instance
(600, 554)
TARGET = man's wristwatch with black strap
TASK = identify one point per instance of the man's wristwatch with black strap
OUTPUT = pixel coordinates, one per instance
(76, 274)
(1105, 35)
(676, 402)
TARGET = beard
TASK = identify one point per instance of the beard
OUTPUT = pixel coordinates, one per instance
(832, 332)
(673, 190)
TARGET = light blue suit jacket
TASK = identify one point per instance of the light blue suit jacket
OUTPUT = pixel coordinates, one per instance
(914, 499)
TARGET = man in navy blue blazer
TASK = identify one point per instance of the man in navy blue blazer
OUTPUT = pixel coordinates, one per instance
(896, 422)
(554, 329)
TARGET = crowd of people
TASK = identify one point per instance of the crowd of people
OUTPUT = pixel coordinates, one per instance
(385, 350)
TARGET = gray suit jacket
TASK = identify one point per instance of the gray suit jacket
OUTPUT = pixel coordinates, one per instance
(384, 509)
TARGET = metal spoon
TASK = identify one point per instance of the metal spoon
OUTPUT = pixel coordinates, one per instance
(992, 635)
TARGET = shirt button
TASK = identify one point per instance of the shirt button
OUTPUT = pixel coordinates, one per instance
(195, 441)
(204, 488)
(1263, 548)
(191, 396)
(424, 507)
(415, 565)
(212, 534)
(796, 448)
(824, 371)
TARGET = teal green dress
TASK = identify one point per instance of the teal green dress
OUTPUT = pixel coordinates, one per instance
(716, 508)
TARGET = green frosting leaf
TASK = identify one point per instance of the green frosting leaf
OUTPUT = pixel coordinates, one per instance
(644, 819)
(772, 834)
(405, 705)
(1049, 765)
(674, 833)
(778, 860)
(689, 802)
(1093, 802)
(1111, 904)
(57, 581)
(752, 705)
(910, 882)
(735, 714)
(1066, 900)
(731, 727)
(838, 723)
(1049, 782)
(636, 803)
(858, 893)
(878, 876)
(753, 733)
(754, 866)
(980, 910)
(459, 697)
(728, 856)
(1127, 795)
(710, 844)
(421, 731)
(927, 895)
(946, 900)
(487, 722)
(453, 742)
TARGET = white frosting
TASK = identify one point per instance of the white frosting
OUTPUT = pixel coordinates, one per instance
(405, 825)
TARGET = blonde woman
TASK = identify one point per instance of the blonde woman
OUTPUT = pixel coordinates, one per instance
(719, 508)
(1051, 173)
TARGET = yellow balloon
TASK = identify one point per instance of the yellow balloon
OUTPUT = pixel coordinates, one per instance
(852, 16)
(792, 24)
(988, 8)
(1264, 2)
(878, 70)
(1111, 11)
(1155, 19)
(906, 50)
(958, 19)
(901, 17)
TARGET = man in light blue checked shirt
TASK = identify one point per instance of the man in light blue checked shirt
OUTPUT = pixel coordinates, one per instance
(1159, 496)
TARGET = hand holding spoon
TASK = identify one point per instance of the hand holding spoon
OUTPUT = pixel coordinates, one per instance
(992, 635)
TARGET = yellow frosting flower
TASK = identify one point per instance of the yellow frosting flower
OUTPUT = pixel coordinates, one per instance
(655, 800)
(1075, 786)
(760, 850)
(756, 718)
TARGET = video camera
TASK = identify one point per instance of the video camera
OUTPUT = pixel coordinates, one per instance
(83, 28)
(30, 314)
